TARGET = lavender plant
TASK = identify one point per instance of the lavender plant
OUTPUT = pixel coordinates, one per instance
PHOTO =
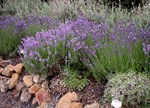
(107, 48)
(13, 29)
(37, 24)
(121, 51)
(43, 51)
(103, 47)
(62, 10)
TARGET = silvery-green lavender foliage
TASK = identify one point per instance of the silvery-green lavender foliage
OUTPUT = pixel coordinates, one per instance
(117, 47)
(64, 10)
(129, 88)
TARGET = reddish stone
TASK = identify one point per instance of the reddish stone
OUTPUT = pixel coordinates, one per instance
(43, 96)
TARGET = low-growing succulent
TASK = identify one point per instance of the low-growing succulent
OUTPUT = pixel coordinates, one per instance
(130, 88)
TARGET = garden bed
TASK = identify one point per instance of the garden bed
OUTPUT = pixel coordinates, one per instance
(10, 99)
(75, 54)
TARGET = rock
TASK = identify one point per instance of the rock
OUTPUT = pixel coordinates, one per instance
(13, 81)
(28, 80)
(3, 78)
(66, 100)
(10, 67)
(41, 80)
(76, 105)
(6, 61)
(3, 63)
(8, 71)
(34, 101)
(3, 87)
(45, 85)
(1, 70)
(34, 88)
(36, 78)
(93, 105)
(44, 105)
(43, 96)
(25, 95)
(70, 105)
(20, 86)
(56, 82)
(3, 83)
(18, 68)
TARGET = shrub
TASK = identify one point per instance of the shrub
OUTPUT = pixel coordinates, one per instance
(43, 51)
(56, 44)
(130, 88)
(105, 47)
(13, 29)
(38, 23)
(120, 51)
(102, 47)
(63, 11)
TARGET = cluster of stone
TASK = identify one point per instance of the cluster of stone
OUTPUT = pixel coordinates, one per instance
(36, 87)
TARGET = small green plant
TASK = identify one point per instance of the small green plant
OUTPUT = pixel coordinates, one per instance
(74, 81)
(131, 88)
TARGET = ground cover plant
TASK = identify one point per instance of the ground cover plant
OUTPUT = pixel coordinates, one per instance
(74, 81)
(130, 88)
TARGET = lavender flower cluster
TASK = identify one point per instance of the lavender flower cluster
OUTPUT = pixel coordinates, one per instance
(78, 37)
(18, 25)
(13, 29)
(12, 24)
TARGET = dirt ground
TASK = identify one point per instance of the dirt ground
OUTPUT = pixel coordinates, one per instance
(91, 93)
